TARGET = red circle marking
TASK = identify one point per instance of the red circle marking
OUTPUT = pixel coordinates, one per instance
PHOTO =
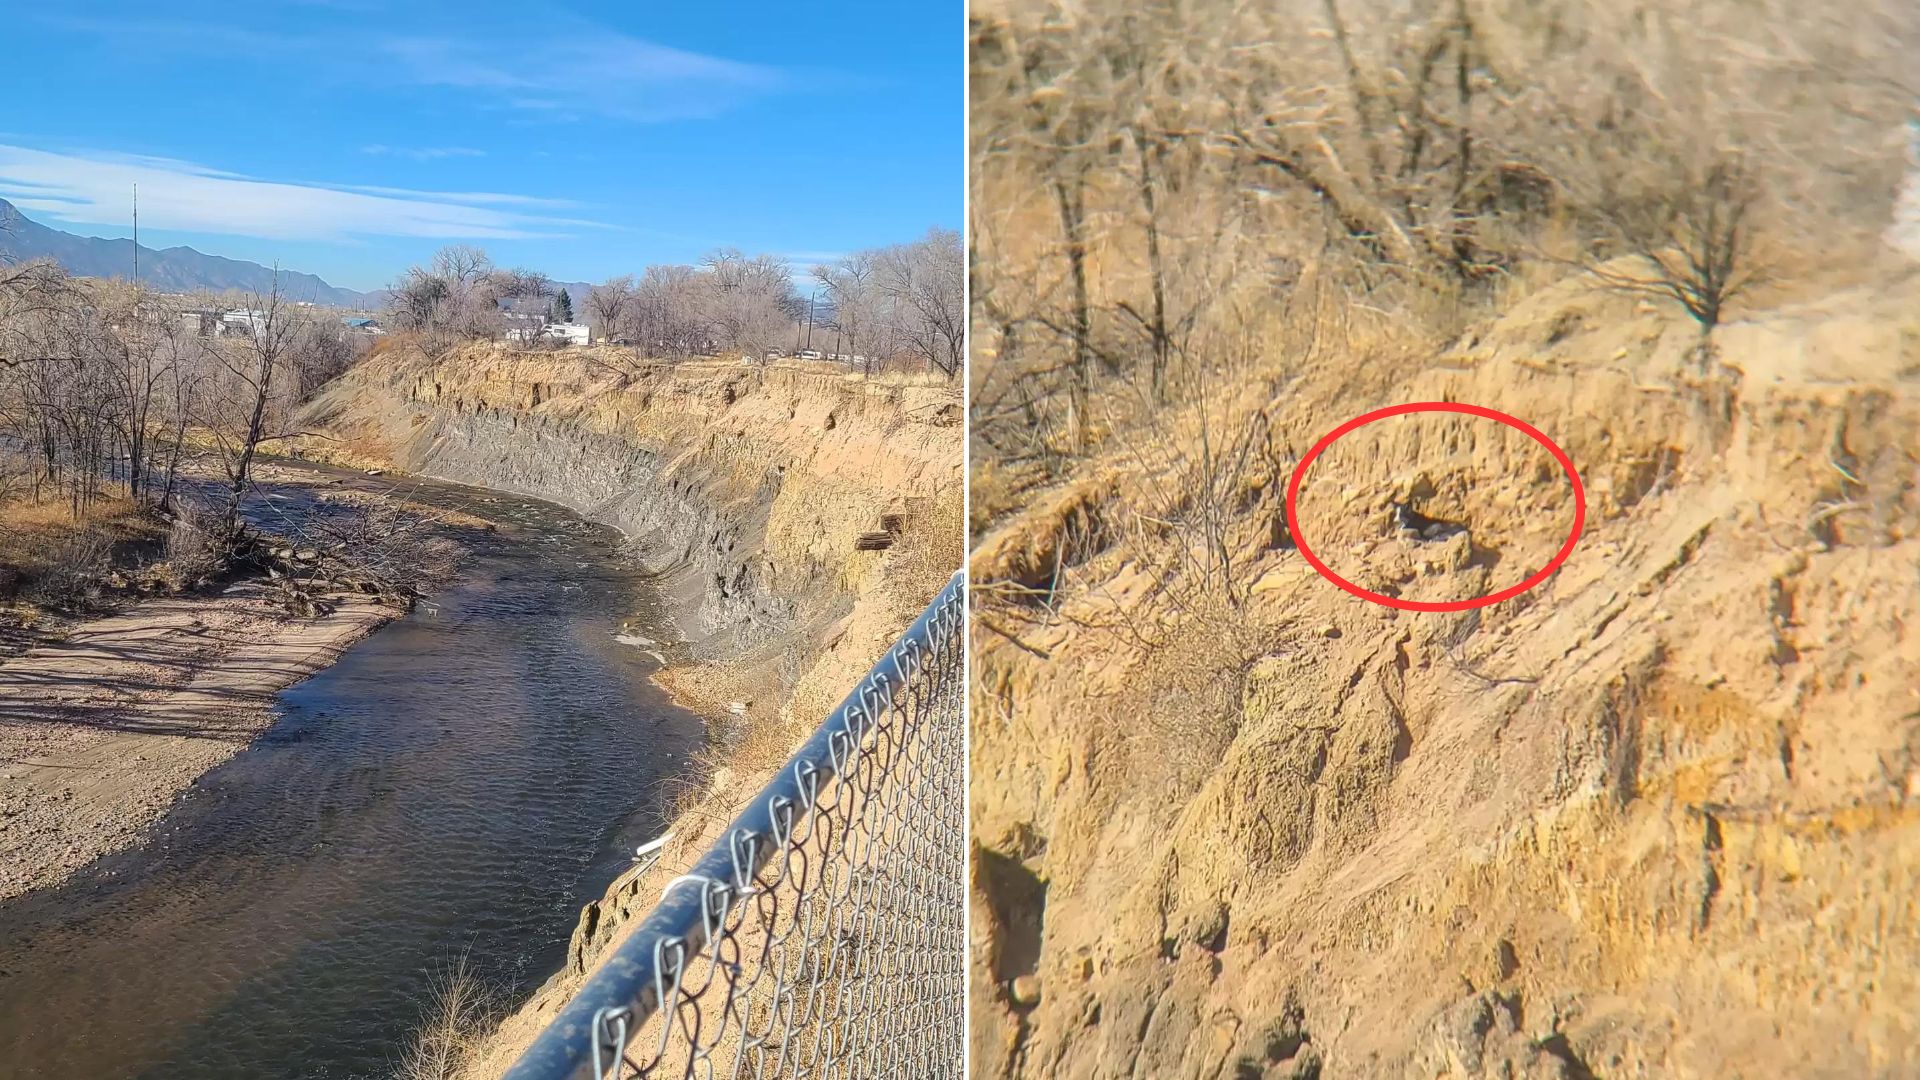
(1566, 549)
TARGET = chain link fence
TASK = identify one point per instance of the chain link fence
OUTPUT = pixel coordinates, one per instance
(823, 935)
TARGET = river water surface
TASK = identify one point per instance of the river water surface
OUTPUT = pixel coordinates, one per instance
(459, 784)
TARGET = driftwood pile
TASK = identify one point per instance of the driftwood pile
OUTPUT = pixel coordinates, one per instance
(307, 580)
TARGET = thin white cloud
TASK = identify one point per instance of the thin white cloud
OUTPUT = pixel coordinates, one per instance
(591, 70)
(479, 198)
(94, 188)
(422, 153)
(534, 57)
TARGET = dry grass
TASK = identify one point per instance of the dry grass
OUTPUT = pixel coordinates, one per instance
(627, 358)
(932, 545)
(1305, 200)
(461, 1012)
(57, 515)
(63, 558)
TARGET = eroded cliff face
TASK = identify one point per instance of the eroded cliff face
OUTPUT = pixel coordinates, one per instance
(744, 485)
(1659, 817)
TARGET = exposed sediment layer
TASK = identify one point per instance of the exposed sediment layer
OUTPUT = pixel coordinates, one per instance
(1660, 817)
(745, 485)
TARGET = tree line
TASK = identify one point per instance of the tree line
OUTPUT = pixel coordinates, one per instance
(105, 386)
(901, 303)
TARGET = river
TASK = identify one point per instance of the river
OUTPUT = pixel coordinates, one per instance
(458, 785)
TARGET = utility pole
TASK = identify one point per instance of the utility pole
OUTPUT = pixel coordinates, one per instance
(136, 234)
(810, 300)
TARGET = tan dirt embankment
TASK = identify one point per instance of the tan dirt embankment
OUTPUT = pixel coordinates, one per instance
(100, 732)
(1659, 817)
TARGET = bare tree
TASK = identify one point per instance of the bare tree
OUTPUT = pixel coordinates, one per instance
(669, 317)
(607, 306)
(902, 301)
(1695, 246)
(79, 367)
(751, 302)
(925, 284)
(239, 415)
(138, 357)
(30, 294)
(321, 353)
(522, 283)
(457, 296)
(850, 283)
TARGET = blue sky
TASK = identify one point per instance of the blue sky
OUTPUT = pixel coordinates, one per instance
(350, 139)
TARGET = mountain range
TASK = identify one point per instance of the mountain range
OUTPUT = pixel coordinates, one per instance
(186, 270)
(174, 269)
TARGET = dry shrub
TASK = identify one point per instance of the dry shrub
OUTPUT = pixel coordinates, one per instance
(461, 1012)
(1188, 699)
(194, 553)
(64, 559)
(1188, 246)
(70, 572)
(932, 545)
(1148, 187)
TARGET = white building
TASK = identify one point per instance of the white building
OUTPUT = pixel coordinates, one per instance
(208, 322)
(571, 333)
(243, 321)
(565, 333)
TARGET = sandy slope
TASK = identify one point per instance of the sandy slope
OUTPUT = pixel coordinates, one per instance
(100, 732)
(1660, 818)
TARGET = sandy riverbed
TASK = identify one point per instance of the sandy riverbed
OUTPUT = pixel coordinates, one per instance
(100, 732)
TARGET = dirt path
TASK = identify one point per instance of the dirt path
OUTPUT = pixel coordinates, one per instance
(99, 733)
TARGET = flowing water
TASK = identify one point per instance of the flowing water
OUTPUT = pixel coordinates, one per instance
(458, 785)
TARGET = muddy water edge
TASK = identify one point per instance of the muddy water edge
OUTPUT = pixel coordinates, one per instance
(453, 790)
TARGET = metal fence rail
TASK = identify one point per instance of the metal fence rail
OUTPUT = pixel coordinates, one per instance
(822, 935)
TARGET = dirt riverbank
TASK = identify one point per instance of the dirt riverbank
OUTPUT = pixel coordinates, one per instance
(109, 713)
(102, 731)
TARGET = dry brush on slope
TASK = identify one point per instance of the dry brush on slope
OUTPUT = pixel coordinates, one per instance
(1656, 817)
(1653, 818)
(1161, 190)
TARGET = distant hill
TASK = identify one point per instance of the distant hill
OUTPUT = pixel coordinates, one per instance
(174, 269)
